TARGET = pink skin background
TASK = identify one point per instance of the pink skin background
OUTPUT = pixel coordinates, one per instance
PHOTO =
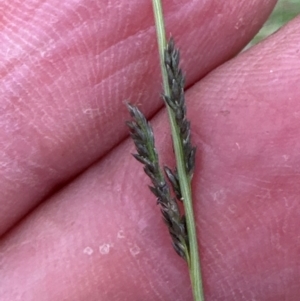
(76, 217)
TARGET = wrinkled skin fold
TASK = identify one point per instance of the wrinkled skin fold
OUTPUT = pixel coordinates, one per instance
(77, 219)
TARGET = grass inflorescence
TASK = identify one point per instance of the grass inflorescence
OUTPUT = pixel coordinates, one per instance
(142, 134)
(182, 227)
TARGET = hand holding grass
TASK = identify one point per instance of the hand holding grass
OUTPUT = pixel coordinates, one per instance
(246, 128)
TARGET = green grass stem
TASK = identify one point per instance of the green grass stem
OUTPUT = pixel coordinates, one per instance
(184, 179)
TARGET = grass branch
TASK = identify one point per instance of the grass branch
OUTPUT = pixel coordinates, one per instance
(142, 136)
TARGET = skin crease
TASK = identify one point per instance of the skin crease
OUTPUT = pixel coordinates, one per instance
(100, 237)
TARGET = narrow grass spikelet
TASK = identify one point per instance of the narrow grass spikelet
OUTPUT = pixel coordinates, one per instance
(142, 135)
(173, 179)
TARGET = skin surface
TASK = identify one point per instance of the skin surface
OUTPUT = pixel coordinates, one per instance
(76, 217)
